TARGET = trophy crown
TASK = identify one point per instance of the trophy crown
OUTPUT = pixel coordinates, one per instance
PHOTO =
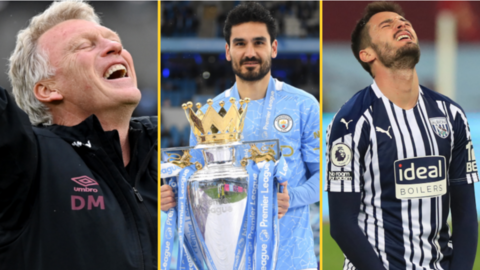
(217, 127)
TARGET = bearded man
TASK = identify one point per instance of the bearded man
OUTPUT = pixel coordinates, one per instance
(276, 111)
(410, 160)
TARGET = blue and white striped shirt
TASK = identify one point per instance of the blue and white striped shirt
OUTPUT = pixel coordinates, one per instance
(403, 163)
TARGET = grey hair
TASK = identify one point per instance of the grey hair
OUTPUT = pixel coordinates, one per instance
(29, 63)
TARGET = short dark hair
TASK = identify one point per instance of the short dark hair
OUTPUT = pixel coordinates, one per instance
(249, 12)
(360, 36)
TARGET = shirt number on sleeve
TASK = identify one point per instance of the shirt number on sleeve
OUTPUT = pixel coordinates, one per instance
(471, 162)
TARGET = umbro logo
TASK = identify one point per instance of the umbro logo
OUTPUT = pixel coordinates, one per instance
(92, 201)
(383, 131)
(86, 182)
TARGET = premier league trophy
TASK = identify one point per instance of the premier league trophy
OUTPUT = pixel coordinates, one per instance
(224, 221)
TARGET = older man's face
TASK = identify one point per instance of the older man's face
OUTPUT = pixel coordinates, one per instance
(93, 72)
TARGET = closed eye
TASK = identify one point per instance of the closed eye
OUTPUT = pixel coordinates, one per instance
(84, 45)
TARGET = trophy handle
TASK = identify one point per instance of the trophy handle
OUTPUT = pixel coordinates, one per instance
(265, 153)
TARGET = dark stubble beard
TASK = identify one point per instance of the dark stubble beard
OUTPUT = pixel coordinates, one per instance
(251, 75)
(405, 57)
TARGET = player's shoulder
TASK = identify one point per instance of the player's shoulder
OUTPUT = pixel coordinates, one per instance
(437, 97)
(442, 101)
(222, 96)
(345, 120)
(356, 106)
(288, 90)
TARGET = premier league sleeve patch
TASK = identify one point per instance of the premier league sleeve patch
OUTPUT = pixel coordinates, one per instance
(283, 123)
(440, 126)
(340, 155)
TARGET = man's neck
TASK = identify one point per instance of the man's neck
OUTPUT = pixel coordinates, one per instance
(122, 128)
(399, 86)
(253, 89)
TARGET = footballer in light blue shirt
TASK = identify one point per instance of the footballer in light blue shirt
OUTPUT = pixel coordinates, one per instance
(276, 111)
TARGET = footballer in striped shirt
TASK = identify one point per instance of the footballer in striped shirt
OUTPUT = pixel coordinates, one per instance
(400, 158)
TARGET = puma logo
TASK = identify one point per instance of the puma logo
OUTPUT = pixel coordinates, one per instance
(345, 122)
(383, 131)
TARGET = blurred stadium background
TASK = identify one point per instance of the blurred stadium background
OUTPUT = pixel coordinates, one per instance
(449, 34)
(194, 68)
(135, 22)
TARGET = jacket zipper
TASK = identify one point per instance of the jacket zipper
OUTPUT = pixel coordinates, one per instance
(139, 196)
(151, 227)
(140, 248)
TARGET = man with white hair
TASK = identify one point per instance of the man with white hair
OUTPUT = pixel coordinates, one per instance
(78, 190)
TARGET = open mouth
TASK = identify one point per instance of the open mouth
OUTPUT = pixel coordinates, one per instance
(402, 37)
(117, 71)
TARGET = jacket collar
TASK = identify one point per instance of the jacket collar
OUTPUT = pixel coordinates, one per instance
(88, 133)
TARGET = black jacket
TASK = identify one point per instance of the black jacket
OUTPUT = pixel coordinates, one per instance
(66, 200)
